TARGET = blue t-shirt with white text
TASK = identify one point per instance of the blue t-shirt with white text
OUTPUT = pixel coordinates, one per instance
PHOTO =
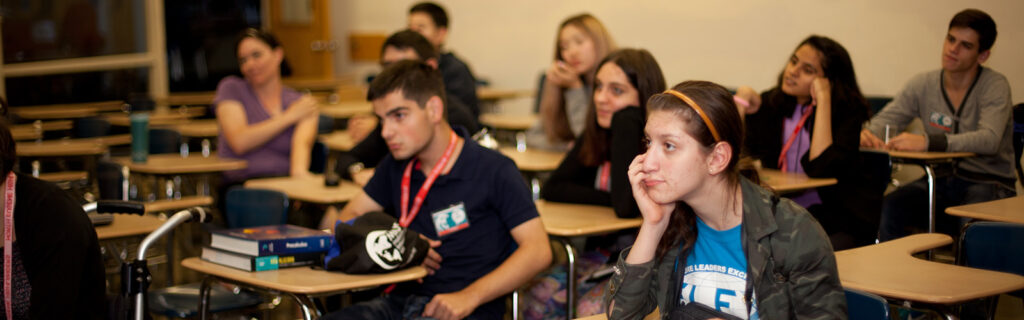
(716, 272)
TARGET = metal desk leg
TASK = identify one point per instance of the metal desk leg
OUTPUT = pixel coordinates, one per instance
(306, 305)
(570, 277)
(930, 173)
(204, 297)
(515, 304)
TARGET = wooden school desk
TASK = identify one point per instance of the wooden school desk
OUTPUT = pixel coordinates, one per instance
(928, 161)
(1003, 210)
(346, 109)
(338, 140)
(173, 164)
(565, 220)
(66, 111)
(308, 188)
(204, 130)
(533, 161)
(159, 117)
(888, 269)
(300, 283)
(784, 182)
(515, 124)
(35, 130)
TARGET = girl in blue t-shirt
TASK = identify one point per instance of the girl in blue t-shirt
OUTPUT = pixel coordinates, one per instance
(713, 243)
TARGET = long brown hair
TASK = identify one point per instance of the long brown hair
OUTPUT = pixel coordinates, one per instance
(603, 43)
(718, 105)
(644, 75)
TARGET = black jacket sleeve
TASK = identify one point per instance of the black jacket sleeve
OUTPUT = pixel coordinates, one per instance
(626, 143)
(573, 182)
(369, 151)
(61, 253)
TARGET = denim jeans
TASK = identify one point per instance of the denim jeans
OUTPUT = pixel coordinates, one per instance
(908, 206)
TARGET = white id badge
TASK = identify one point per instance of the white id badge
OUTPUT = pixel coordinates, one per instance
(450, 220)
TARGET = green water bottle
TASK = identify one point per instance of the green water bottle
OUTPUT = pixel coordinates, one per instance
(140, 136)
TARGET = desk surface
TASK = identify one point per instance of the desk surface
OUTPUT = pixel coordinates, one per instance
(60, 148)
(199, 128)
(64, 176)
(784, 182)
(186, 98)
(304, 280)
(160, 117)
(126, 225)
(167, 205)
(533, 159)
(308, 188)
(570, 220)
(66, 111)
(493, 94)
(921, 155)
(338, 140)
(1004, 210)
(21, 132)
(889, 270)
(517, 122)
(173, 163)
(346, 109)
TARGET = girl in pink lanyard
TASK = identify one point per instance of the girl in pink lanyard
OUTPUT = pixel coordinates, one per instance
(810, 123)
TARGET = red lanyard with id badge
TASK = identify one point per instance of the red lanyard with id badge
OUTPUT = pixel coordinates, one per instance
(446, 221)
(8, 239)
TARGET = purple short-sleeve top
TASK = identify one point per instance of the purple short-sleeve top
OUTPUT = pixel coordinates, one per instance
(272, 158)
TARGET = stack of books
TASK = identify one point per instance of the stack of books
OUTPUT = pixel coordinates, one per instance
(267, 247)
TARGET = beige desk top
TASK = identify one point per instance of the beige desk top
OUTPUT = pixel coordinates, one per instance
(126, 225)
(338, 140)
(161, 117)
(113, 140)
(167, 205)
(918, 155)
(888, 269)
(66, 111)
(570, 220)
(64, 176)
(784, 182)
(486, 93)
(517, 122)
(533, 159)
(304, 280)
(199, 128)
(346, 109)
(46, 125)
(19, 133)
(173, 163)
(308, 188)
(1004, 210)
(187, 98)
(60, 148)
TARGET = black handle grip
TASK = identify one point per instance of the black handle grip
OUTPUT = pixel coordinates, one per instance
(120, 206)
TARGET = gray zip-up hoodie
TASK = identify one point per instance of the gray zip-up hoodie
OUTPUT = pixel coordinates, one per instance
(982, 125)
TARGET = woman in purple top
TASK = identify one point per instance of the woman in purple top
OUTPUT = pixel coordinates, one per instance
(810, 123)
(262, 121)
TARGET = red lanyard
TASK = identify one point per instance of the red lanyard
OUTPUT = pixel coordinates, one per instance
(8, 239)
(783, 164)
(604, 179)
(408, 215)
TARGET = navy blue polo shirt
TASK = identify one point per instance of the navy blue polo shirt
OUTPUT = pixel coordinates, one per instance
(476, 206)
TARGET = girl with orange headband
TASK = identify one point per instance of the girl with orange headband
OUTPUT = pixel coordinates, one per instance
(713, 243)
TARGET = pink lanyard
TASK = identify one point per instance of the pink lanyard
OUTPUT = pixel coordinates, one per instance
(605, 176)
(8, 239)
(408, 214)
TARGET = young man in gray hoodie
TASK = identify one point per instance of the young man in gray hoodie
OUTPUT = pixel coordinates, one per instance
(965, 107)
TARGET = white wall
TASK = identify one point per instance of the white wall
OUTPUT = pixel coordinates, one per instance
(730, 42)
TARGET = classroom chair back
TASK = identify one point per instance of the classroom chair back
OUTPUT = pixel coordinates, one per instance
(861, 305)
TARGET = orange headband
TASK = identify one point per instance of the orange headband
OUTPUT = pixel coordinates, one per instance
(696, 107)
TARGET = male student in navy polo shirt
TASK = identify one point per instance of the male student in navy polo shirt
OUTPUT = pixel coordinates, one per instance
(486, 236)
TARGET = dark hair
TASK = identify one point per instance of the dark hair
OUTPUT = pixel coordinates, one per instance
(406, 39)
(717, 103)
(270, 40)
(980, 22)
(838, 69)
(644, 75)
(435, 11)
(603, 44)
(417, 80)
(8, 149)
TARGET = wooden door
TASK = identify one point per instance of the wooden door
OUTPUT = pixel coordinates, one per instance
(303, 28)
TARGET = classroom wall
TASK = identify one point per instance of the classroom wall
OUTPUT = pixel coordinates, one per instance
(730, 42)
